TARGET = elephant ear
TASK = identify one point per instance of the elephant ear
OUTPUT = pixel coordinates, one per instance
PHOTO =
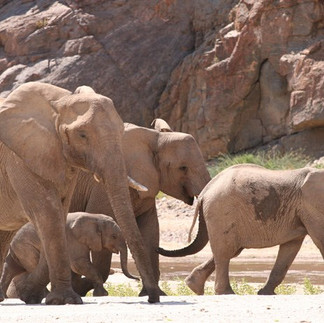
(313, 189)
(140, 146)
(27, 123)
(87, 231)
(160, 125)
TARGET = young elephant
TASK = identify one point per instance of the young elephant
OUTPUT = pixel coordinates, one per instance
(248, 206)
(85, 232)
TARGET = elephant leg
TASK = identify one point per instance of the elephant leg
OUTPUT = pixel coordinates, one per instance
(5, 239)
(101, 260)
(148, 225)
(42, 204)
(197, 278)
(10, 270)
(32, 288)
(83, 266)
(81, 285)
(286, 255)
(222, 283)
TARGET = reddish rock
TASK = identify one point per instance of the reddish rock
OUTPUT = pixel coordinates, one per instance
(234, 74)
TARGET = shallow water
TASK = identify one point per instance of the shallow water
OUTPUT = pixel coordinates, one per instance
(250, 272)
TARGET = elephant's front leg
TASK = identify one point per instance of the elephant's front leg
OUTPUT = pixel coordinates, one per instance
(82, 265)
(101, 260)
(42, 204)
(149, 227)
(286, 255)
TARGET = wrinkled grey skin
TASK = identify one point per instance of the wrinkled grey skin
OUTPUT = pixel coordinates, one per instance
(248, 206)
(85, 232)
(47, 135)
(162, 161)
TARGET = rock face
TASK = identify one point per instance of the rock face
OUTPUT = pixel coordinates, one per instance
(234, 74)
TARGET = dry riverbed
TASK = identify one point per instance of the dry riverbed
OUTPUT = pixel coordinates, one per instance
(252, 265)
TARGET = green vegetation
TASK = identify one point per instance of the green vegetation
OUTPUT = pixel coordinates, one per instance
(268, 160)
(242, 288)
(284, 289)
(178, 287)
(41, 23)
(310, 289)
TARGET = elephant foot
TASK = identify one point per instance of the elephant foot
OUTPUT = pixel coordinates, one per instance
(153, 294)
(81, 285)
(195, 285)
(143, 292)
(34, 297)
(100, 291)
(1, 295)
(266, 291)
(61, 297)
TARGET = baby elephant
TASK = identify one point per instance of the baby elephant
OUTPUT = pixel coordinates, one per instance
(85, 232)
(248, 206)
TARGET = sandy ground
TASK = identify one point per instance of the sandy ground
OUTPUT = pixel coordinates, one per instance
(229, 308)
(175, 219)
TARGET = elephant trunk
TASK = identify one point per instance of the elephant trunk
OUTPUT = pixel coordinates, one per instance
(116, 184)
(197, 244)
(123, 261)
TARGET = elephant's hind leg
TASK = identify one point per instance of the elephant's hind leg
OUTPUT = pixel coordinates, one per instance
(222, 283)
(197, 278)
(286, 255)
(10, 270)
(5, 239)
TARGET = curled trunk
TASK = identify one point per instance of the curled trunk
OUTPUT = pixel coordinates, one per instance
(123, 262)
(197, 244)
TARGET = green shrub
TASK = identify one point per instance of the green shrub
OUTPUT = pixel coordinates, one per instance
(242, 288)
(284, 289)
(310, 289)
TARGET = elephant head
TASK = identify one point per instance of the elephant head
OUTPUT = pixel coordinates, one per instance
(169, 161)
(54, 131)
(98, 232)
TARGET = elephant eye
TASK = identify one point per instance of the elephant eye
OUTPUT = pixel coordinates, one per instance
(183, 168)
(114, 236)
(82, 134)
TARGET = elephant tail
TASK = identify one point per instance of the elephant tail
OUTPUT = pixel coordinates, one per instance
(197, 244)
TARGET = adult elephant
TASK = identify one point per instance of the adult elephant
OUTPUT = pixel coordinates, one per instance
(161, 160)
(47, 135)
(248, 206)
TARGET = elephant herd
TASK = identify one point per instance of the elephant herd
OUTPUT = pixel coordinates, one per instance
(76, 183)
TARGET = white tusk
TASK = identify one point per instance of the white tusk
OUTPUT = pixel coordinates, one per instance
(137, 186)
(96, 177)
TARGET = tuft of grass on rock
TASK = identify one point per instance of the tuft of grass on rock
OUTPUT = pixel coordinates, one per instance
(270, 160)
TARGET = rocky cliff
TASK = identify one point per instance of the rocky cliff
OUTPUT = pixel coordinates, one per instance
(235, 74)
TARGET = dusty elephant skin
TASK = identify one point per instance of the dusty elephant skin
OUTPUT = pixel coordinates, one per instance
(47, 135)
(85, 232)
(235, 212)
(159, 159)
